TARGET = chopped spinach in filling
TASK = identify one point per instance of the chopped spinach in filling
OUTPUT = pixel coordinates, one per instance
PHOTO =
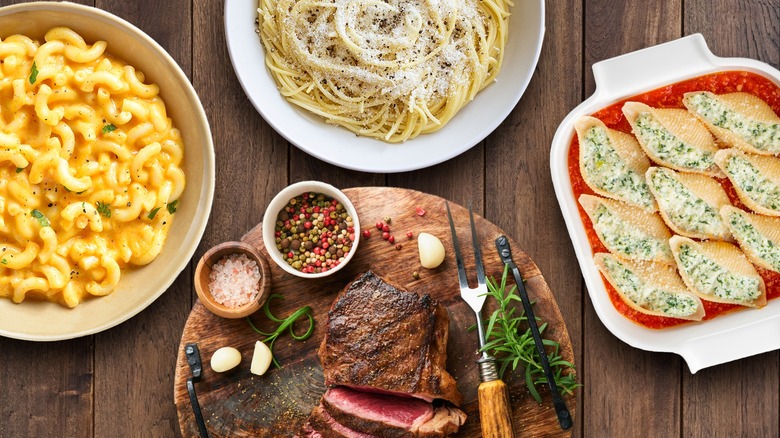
(621, 237)
(756, 186)
(683, 208)
(668, 147)
(747, 234)
(763, 136)
(710, 278)
(648, 296)
(609, 172)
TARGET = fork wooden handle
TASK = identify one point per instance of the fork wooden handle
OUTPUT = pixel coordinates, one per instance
(495, 414)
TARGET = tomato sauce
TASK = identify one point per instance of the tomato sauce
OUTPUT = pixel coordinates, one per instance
(671, 97)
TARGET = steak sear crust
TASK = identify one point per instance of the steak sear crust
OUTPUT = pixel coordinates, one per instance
(384, 339)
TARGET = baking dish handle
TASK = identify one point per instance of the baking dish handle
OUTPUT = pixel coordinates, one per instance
(655, 65)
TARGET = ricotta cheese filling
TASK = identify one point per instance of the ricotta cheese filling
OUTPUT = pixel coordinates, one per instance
(624, 238)
(710, 278)
(747, 234)
(669, 147)
(686, 210)
(756, 186)
(763, 136)
(648, 296)
(609, 172)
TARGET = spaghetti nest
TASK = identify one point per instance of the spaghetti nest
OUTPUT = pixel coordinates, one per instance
(389, 69)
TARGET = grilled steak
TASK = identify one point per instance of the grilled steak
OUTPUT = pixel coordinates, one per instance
(389, 416)
(322, 425)
(383, 339)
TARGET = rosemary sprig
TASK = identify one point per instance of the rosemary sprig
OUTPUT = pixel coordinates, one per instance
(284, 324)
(510, 341)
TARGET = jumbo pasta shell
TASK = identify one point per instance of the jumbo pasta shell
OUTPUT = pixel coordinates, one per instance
(673, 137)
(758, 236)
(613, 164)
(739, 120)
(756, 179)
(718, 272)
(650, 288)
(689, 203)
(628, 231)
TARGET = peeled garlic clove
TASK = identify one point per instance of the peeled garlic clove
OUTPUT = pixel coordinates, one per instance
(261, 359)
(431, 250)
(224, 359)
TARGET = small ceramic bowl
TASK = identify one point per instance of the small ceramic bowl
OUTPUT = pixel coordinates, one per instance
(203, 270)
(281, 200)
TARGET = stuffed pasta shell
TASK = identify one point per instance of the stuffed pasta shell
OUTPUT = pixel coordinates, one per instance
(758, 236)
(628, 231)
(613, 164)
(689, 203)
(755, 178)
(719, 272)
(673, 137)
(650, 288)
(740, 120)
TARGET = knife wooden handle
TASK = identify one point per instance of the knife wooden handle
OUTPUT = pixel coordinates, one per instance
(494, 411)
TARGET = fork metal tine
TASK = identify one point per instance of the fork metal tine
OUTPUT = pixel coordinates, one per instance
(477, 251)
(462, 279)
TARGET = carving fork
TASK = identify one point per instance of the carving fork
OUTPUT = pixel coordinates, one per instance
(494, 409)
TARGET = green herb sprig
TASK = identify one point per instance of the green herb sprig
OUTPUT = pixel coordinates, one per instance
(284, 324)
(41, 218)
(104, 209)
(510, 341)
(33, 73)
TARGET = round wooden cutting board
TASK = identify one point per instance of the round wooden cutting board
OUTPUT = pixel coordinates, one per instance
(239, 403)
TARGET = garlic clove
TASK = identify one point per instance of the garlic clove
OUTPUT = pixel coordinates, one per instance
(225, 359)
(431, 250)
(261, 359)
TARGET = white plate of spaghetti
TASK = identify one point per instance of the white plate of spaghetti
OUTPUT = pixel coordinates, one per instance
(384, 86)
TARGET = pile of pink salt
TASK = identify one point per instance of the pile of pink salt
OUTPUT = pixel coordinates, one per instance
(234, 280)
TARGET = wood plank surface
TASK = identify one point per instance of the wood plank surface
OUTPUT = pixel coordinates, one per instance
(609, 389)
(240, 404)
(753, 382)
(119, 383)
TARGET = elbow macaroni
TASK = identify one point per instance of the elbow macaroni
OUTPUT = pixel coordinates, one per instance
(89, 169)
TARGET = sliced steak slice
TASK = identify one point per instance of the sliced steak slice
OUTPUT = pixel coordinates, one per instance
(389, 416)
(382, 338)
(321, 425)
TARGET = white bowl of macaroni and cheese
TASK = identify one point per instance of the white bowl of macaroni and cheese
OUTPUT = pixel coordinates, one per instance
(106, 170)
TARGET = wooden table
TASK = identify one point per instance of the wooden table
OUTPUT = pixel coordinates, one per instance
(120, 382)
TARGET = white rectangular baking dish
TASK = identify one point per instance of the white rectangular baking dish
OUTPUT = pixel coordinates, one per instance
(726, 338)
